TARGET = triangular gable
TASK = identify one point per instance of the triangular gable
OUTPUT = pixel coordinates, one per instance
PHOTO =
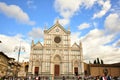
(75, 46)
(57, 25)
(38, 45)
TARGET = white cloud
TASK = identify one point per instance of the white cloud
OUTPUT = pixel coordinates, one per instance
(112, 23)
(10, 42)
(94, 46)
(75, 37)
(106, 7)
(64, 21)
(30, 4)
(36, 33)
(89, 3)
(67, 9)
(117, 44)
(14, 11)
(97, 37)
(83, 26)
(100, 2)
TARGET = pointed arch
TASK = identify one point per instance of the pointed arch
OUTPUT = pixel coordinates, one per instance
(57, 59)
(75, 66)
(56, 56)
(76, 63)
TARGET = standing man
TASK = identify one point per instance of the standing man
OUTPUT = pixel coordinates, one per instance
(105, 75)
(63, 77)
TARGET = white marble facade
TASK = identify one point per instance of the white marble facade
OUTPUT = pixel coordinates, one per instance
(56, 56)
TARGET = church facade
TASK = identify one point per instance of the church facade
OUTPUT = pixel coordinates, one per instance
(56, 56)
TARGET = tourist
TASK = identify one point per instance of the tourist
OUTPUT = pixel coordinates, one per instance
(105, 75)
(63, 77)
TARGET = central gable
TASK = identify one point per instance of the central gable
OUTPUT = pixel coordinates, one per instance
(57, 29)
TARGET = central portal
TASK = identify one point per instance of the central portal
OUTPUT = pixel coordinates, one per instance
(76, 71)
(56, 70)
(57, 61)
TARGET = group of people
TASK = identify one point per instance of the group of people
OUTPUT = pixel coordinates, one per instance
(105, 76)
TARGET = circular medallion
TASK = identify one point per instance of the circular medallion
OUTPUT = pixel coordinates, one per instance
(57, 39)
(57, 30)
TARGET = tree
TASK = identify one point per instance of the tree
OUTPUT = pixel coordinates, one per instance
(102, 61)
(98, 62)
(95, 62)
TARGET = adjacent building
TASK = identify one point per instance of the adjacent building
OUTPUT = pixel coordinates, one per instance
(3, 64)
(9, 67)
(23, 70)
(6, 65)
(56, 56)
(97, 69)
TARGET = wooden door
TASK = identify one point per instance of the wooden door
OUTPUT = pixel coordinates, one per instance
(56, 70)
(36, 70)
(76, 71)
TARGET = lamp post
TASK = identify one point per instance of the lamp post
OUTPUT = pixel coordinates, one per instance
(19, 49)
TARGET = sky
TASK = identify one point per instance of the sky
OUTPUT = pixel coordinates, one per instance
(96, 23)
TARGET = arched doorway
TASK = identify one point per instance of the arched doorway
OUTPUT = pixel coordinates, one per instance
(76, 71)
(76, 68)
(56, 70)
(57, 61)
(36, 70)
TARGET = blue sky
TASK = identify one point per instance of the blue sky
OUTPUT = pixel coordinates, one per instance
(94, 22)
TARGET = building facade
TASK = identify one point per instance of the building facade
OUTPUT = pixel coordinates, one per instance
(56, 56)
(6, 65)
(23, 69)
(3, 64)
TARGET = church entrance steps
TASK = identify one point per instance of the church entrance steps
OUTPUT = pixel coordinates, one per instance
(66, 78)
